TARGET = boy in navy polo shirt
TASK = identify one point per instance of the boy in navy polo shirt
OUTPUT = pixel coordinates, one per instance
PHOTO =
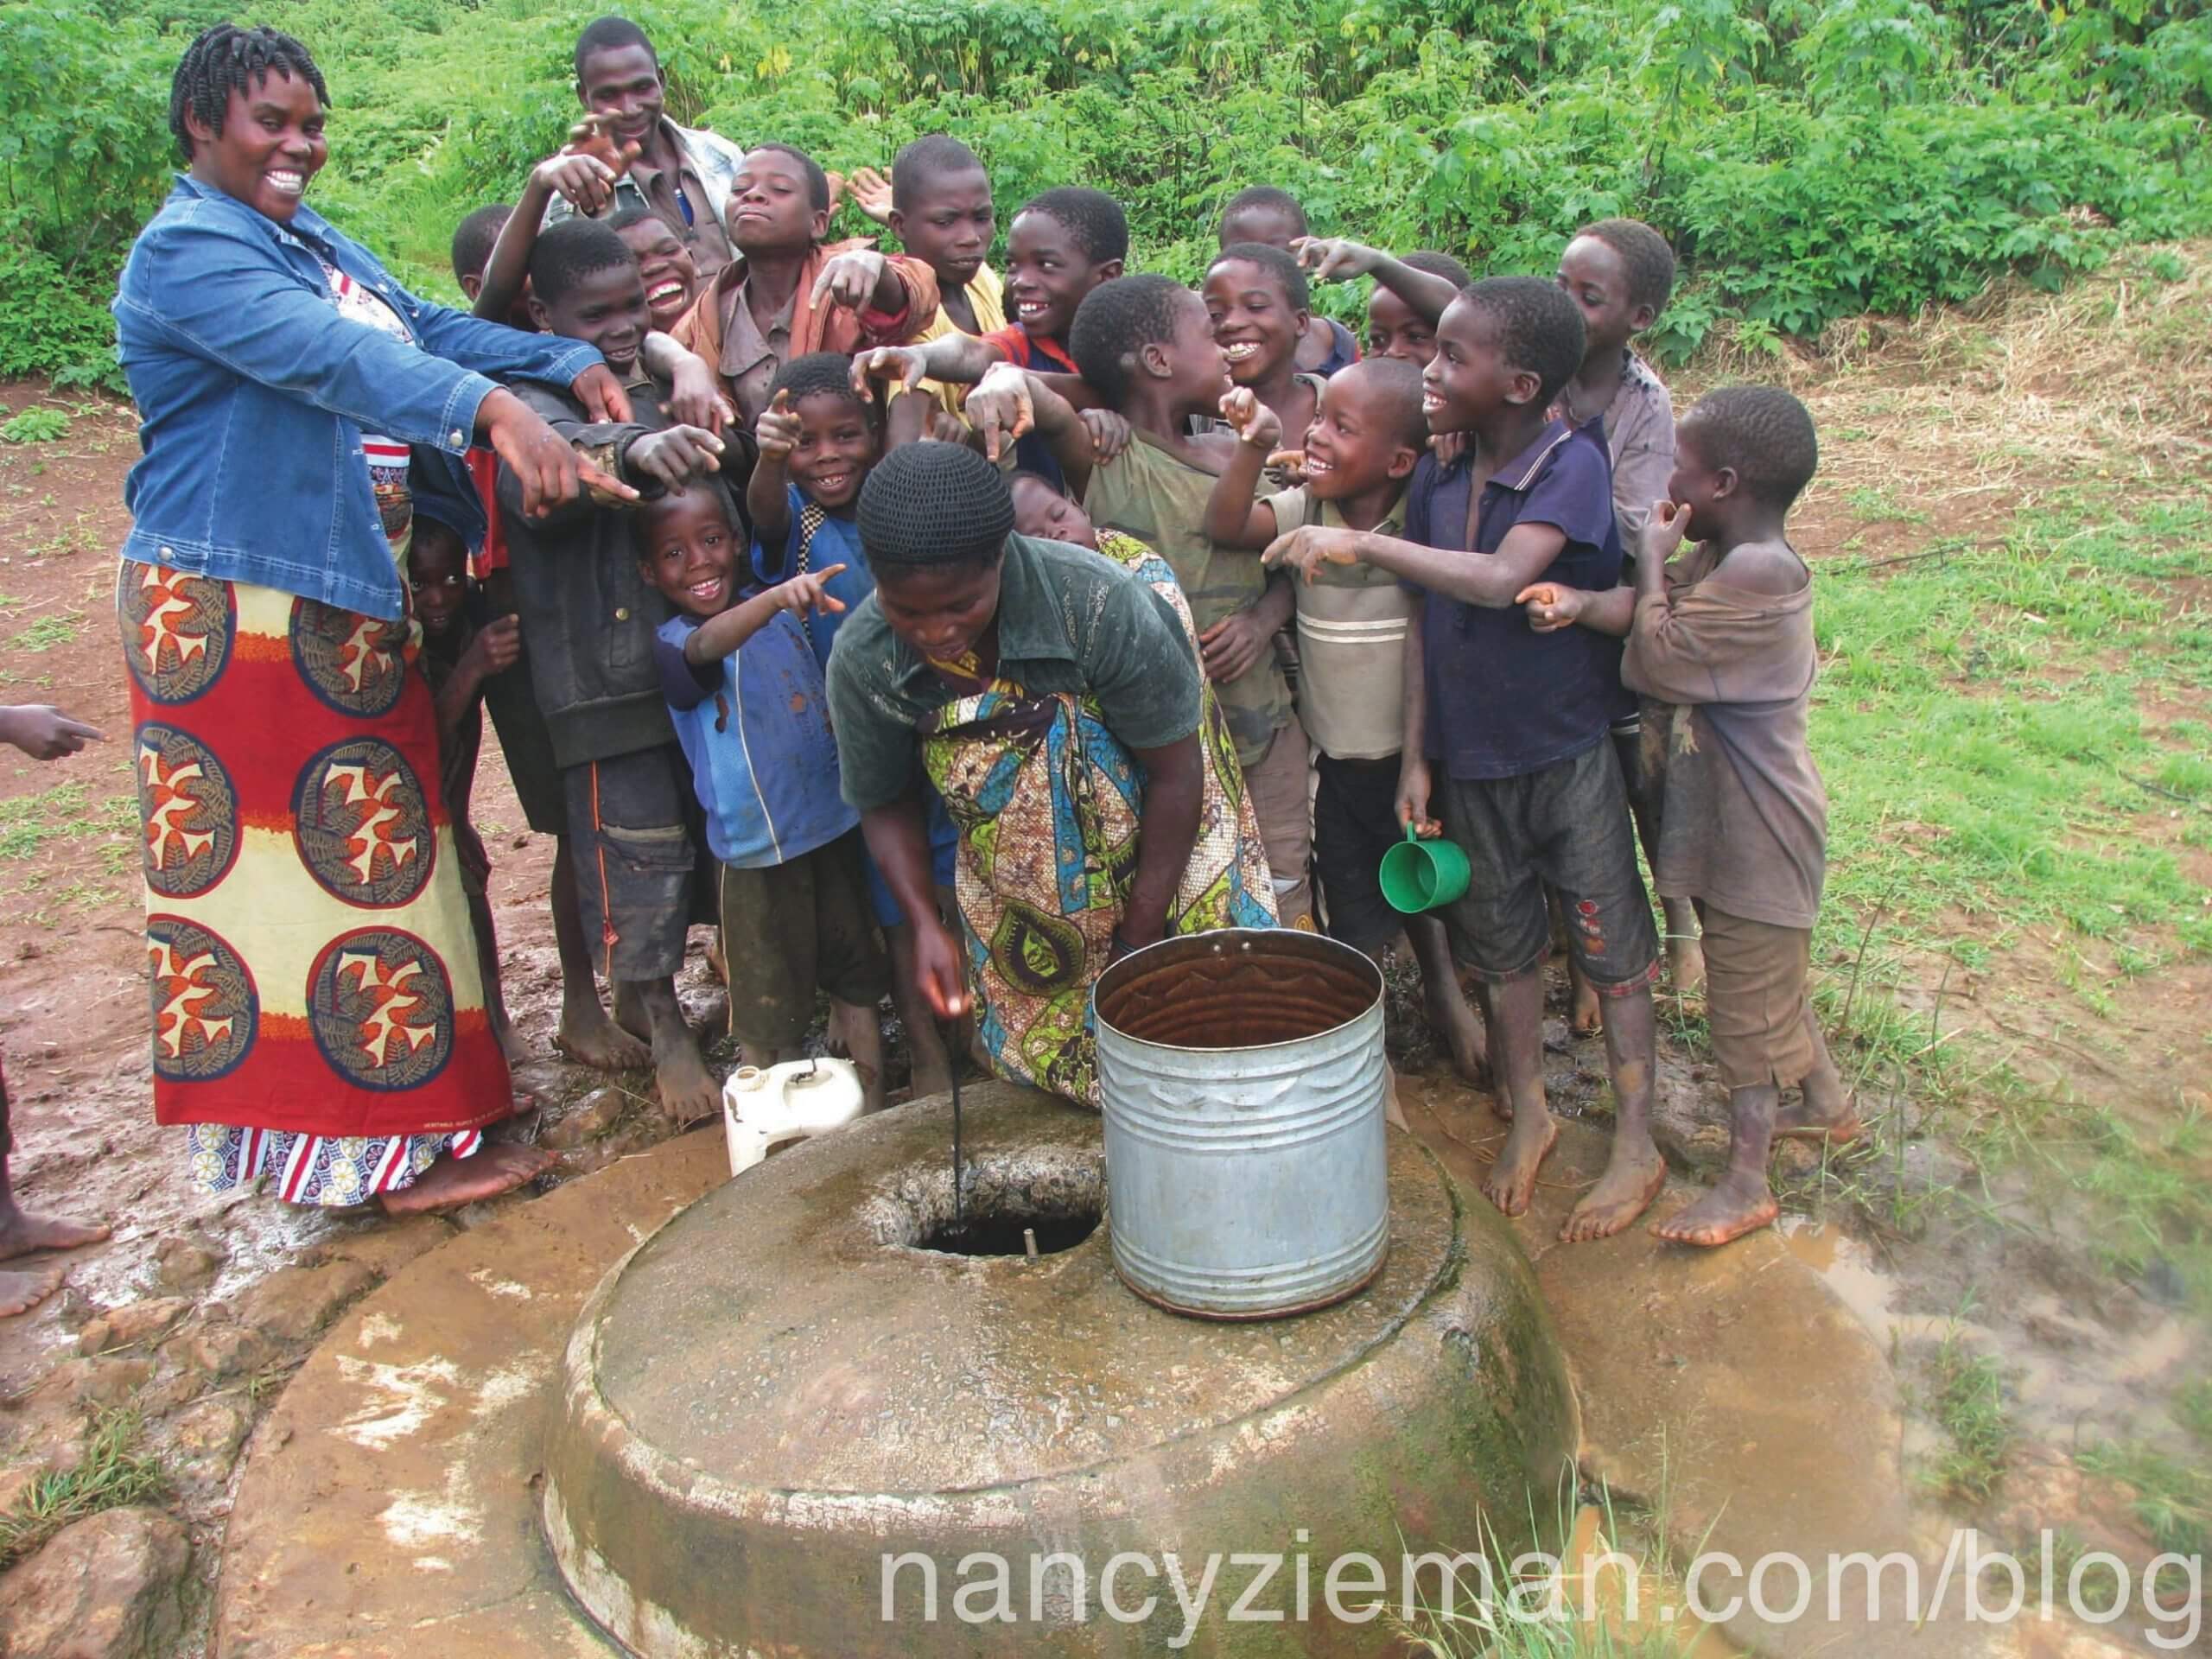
(1518, 720)
(746, 694)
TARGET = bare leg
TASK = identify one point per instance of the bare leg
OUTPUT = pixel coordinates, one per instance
(1685, 954)
(931, 1059)
(1635, 1171)
(487, 959)
(858, 1031)
(1828, 1113)
(497, 1167)
(1742, 1201)
(1449, 1012)
(585, 1035)
(1517, 1032)
(688, 1092)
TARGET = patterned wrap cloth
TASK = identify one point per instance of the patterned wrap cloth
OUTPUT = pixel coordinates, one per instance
(318, 1008)
(1046, 803)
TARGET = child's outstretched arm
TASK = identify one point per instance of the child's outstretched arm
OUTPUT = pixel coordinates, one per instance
(1493, 582)
(1413, 780)
(586, 180)
(694, 393)
(767, 494)
(955, 358)
(1009, 402)
(1234, 518)
(1339, 259)
(719, 635)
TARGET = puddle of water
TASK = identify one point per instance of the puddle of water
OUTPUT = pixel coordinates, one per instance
(1847, 1267)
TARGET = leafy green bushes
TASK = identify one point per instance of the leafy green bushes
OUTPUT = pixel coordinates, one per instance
(1810, 159)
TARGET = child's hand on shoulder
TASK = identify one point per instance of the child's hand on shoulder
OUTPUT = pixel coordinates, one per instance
(1335, 258)
(1001, 409)
(1663, 531)
(1306, 550)
(1450, 449)
(1109, 434)
(695, 395)
(848, 279)
(808, 592)
(902, 366)
(776, 431)
(674, 457)
(1552, 606)
(1252, 421)
(496, 648)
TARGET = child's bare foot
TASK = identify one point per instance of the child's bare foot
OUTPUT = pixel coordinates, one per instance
(1512, 1180)
(1741, 1204)
(1632, 1179)
(512, 1045)
(689, 1093)
(21, 1292)
(631, 1013)
(1685, 952)
(1807, 1121)
(589, 1038)
(22, 1233)
(497, 1167)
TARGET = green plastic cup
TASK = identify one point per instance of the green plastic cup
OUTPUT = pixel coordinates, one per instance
(1421, 875)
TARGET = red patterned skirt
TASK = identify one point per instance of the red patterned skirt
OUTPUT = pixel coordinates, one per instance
(314, 974)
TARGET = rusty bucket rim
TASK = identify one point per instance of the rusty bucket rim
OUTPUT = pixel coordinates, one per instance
(1215, 942)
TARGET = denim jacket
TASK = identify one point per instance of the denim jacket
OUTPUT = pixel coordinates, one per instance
(252, 394)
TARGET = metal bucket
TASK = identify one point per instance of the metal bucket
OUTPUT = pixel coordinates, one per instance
(1242, 1079)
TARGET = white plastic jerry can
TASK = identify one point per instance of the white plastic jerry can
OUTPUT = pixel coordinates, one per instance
(762, 1109)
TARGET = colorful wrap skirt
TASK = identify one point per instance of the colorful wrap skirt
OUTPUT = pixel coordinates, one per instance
(1046, 803)
(316, 1002)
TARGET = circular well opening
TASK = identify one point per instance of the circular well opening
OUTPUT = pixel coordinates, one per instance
(1006, 1232)
(1056, 1193)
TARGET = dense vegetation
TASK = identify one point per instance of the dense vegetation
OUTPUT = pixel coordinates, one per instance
(1810, 159)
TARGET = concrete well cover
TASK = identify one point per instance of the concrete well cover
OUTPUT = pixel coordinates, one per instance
(778, 1395)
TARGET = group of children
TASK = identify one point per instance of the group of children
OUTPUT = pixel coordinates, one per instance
(1432, 585)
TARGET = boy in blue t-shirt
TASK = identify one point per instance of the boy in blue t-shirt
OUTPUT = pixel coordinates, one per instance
(1518, 720)
(746, 694)
(819, 438)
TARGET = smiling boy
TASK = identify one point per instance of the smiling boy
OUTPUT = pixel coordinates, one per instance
(788, 293)
(745, 692)
(1516, 720)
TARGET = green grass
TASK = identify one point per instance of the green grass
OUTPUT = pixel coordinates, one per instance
(2173, 1499)
(59, 628)
(1968, 1406)
(113, 1473)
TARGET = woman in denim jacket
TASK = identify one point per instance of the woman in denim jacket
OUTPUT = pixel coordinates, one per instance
(318, 1004)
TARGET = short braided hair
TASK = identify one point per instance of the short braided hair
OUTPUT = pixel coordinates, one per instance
(1277, 263)
(933, 155)
(1644, 256)
(1094, 219)
(225, 59)
(1114, 321)
(820, 374)
(1763, 433)
(572, 250)
(1539, 328)
(935, 504)
(476, 237)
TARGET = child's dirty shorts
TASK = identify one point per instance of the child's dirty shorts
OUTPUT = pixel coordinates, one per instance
(1567, 825)
(633, 832)
(793, 928)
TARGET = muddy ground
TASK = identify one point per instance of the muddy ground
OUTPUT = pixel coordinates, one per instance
(190, 1319)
